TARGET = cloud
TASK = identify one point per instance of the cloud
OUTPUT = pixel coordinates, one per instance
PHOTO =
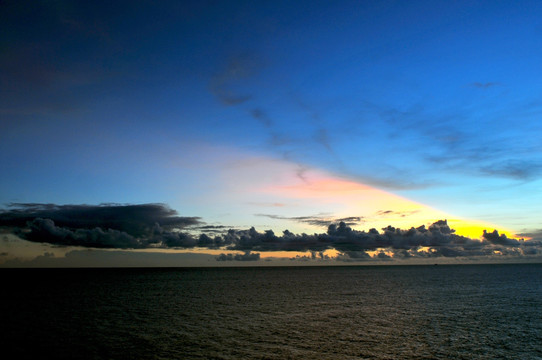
(396, 213)
(484, 85)
(45, 230)
(285, 143)
(515, 169)
(456, 140)
(148, 226)
(354, 256)
(490, 160)
(533, 234)
(393, 181)
(223, 84)
(495, 238)
(135, 220)
(99, 226)
(317, 220)
(339, 237)
(211, 228)
(321, 136)
(262, 117)
(438, 240)
(247, 256)
(383, 256)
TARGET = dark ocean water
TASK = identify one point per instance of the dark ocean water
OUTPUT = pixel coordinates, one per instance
(395, 312)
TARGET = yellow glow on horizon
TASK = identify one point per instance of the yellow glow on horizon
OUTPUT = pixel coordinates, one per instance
(377, 208)
(256, 184)
(475, 229)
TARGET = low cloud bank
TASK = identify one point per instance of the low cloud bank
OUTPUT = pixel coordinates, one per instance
(247, 256)
(135, 220)
(114, 226)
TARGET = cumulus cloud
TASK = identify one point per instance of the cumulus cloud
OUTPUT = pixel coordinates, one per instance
(45, 230)
(437, 240)
(135, 220)
(496, 239)
(157, 226)
(99, 226)
(247, 256)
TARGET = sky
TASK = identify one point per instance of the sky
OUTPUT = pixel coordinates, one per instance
(225, 133)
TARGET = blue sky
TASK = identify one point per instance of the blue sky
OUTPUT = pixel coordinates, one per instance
(219, 109)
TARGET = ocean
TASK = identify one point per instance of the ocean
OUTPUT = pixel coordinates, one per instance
(351, 312)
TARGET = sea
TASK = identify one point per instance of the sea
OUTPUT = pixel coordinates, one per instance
(350, 312)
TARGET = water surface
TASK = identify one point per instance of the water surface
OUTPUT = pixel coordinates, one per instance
(372, 312)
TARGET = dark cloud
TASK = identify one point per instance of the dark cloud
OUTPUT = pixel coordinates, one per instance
(535, 235)
(247, 256)
(532, 250)
(436, 240)
(136, 220)
(351, 220)
(144, 226)
(45, 230)
(354, 255)
(383, 256)
(495, 238)
(217, 229)
(99, 226)
(317, 220)
(216, 242)
(314, 255)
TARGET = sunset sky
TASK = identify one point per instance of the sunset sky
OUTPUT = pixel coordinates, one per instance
(139, 133)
